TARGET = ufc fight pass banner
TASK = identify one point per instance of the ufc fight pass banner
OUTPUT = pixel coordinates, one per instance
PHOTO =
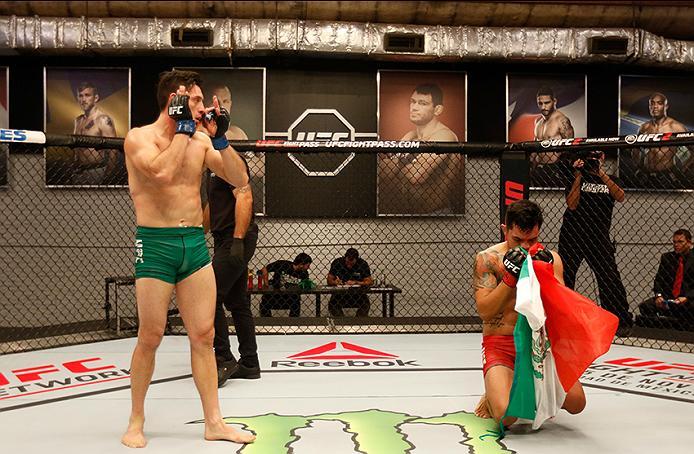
(325, 106)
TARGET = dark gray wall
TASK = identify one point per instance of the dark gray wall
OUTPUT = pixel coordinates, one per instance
(58, 245)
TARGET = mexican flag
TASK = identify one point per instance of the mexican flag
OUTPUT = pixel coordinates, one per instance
(559, 333)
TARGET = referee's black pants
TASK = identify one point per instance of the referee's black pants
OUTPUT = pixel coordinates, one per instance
(231, 275)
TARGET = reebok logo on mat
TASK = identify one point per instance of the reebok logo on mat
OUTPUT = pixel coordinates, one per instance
(347, 355)
(350, 351)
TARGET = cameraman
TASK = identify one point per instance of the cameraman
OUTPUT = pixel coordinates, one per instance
(585, 233)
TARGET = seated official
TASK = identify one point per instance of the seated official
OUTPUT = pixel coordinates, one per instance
(350, 270)
(286, 275)
(673, 287)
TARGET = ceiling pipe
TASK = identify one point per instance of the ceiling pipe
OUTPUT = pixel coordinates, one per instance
(145, 36)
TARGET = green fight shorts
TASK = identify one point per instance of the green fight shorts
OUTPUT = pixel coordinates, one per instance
(170, 254)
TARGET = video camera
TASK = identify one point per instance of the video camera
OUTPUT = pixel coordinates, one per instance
(591, 159)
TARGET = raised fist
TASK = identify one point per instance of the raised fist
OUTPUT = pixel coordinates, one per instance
(222, 121)
(179, 111)
(513, 261)
(544, 255)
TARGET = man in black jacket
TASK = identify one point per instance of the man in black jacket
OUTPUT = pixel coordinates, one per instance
(673, 287)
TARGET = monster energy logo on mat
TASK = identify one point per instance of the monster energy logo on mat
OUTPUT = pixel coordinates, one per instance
(372, 431)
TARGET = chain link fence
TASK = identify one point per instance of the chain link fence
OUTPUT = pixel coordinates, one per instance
(67, 248)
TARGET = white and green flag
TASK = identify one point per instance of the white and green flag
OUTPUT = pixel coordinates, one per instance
(559, 333)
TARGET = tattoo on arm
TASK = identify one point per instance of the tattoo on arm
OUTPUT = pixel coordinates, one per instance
(484, 274)
(242, 189)
(485, 280)
(565, 129)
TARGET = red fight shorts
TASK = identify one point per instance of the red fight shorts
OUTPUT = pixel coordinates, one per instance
(498, 351)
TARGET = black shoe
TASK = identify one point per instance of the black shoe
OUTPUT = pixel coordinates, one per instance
(249, 373)
(225, 371)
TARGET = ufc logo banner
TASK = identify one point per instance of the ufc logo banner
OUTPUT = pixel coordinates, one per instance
(307, 107)
(515, 176)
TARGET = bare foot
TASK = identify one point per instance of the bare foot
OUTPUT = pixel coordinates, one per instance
(482, 409)
(221, 431)
(134, 436)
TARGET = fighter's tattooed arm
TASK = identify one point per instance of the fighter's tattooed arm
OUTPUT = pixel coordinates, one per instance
(242, 190)
(485, 274)
(491, 298)
(565, 129)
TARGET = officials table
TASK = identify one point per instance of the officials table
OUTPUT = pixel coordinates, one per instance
(387, 294)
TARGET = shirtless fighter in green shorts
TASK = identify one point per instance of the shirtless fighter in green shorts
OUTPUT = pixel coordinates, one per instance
(165, 162)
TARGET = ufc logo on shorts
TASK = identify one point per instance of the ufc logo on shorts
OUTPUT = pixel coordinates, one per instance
(175, 110)
(139, 253)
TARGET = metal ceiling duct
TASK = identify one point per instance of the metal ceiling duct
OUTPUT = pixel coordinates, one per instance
(124, 36)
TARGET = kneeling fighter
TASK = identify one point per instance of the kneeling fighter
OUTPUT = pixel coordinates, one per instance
(165, 162)
(496, 273)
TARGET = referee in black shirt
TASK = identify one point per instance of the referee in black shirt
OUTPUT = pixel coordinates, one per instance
(235, 234)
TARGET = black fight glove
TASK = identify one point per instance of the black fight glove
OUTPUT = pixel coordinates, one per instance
(179, 111)
(544, 255)
(237, 249)
(513, 261)
(219, 141)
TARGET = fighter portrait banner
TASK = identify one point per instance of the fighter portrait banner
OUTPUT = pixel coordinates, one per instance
(305, 105)
(242, 92)
(544, 107)
(650, 110)
(426, 106)
(4, 124)
(91, 102)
